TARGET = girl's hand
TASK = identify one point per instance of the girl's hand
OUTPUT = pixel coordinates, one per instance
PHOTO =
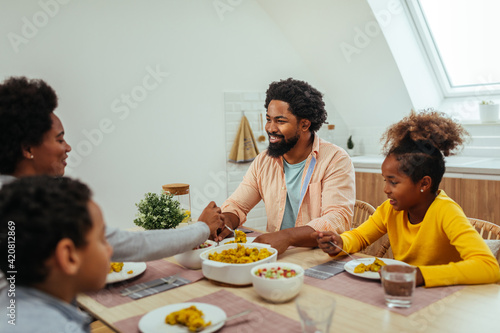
(323, 237)
(419, 279)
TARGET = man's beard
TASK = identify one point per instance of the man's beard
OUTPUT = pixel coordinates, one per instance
(284, 146)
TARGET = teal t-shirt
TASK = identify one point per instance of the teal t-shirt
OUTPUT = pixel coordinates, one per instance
(293, 178)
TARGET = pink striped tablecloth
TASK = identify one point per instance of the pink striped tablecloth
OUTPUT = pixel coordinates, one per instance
(110, 295)
(371, 291)
(259, 320)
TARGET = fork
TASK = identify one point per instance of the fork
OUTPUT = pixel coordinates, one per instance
(341, 249)
(169, 280)
(200, 329)
(234, 233)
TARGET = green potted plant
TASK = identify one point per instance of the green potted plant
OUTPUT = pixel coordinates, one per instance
(159, 211)
(488, 112)
(350, 146)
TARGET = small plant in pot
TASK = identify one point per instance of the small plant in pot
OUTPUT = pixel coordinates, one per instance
(488, 112)
(159, 211)
(350, 146)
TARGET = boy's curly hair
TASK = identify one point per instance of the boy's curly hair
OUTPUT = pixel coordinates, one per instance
(421, 140)
(25, 109)
(305, 101)
(43, 210)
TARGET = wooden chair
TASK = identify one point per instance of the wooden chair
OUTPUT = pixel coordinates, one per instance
(486, 229)
(362, 211)
(489, 231)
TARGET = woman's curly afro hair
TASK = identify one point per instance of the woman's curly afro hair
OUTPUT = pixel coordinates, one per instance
(25, 109)
(420, 141)
(305, 101)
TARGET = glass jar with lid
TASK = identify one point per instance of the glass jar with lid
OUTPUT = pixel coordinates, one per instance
(180, 192)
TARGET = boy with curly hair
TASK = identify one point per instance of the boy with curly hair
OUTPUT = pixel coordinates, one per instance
(305, 182)
(60, 251)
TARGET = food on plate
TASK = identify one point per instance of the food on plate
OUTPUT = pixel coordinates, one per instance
(116, 267)
(373, 267)
(203, 246)
(190, 317)
(241, 237)
(276, 273)
(240, 255)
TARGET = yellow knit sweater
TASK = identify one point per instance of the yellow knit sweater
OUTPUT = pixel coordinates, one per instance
(445, 246)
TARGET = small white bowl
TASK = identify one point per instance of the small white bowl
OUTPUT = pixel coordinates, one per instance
(191, 259)
(278, 290)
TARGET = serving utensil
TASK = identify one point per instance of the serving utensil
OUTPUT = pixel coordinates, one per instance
(168, 280)
(228, 228)
(201, 329)
(341, 249)
(234, 233)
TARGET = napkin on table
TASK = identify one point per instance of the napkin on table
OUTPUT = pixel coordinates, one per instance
(154, 290)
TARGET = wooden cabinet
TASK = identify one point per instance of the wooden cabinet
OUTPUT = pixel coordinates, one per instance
(478, 198)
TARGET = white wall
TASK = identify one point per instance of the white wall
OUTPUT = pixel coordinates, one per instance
(341, 42)
(98, 54)
(94, 53)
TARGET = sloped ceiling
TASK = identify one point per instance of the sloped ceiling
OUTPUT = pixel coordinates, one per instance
(363, 81)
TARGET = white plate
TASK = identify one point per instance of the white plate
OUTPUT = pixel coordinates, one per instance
(226, 240)
(349, 267)
(136, 268)
(154, 321)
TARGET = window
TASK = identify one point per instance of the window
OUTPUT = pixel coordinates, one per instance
(461, 40)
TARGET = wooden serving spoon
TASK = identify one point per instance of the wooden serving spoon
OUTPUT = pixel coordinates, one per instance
(261, 137)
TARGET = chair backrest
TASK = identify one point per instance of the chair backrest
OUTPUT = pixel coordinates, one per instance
(362, 211)
(486, 229)
(490, 233)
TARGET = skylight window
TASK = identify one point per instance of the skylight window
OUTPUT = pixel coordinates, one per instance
(461, 38)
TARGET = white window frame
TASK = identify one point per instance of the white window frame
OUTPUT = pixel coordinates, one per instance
(436, 62)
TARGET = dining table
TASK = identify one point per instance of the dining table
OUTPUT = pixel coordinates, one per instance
(360, 305)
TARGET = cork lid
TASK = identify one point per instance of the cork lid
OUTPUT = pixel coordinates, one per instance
(176, 188)
(331, 126)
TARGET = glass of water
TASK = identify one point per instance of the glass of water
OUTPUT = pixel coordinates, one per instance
(315, 311)
(399, 284)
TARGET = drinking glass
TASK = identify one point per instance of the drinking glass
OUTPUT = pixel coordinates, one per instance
(315, 311)
(399, 284)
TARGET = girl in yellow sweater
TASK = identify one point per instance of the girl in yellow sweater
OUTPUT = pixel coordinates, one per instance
(426, 228)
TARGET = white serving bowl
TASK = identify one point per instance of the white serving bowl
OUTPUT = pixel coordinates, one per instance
(191, 259)
(278, 290)
(234, 274)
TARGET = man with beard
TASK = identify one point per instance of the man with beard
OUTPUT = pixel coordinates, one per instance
(307, 184)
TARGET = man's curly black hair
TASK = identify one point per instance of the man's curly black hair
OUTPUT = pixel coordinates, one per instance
(305, 101)
(25, 109)
(43, 210)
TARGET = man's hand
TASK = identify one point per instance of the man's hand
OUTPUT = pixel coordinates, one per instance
(281, 240)
(231, 221)
(324, 237)
(211, 215)
(277, 240)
